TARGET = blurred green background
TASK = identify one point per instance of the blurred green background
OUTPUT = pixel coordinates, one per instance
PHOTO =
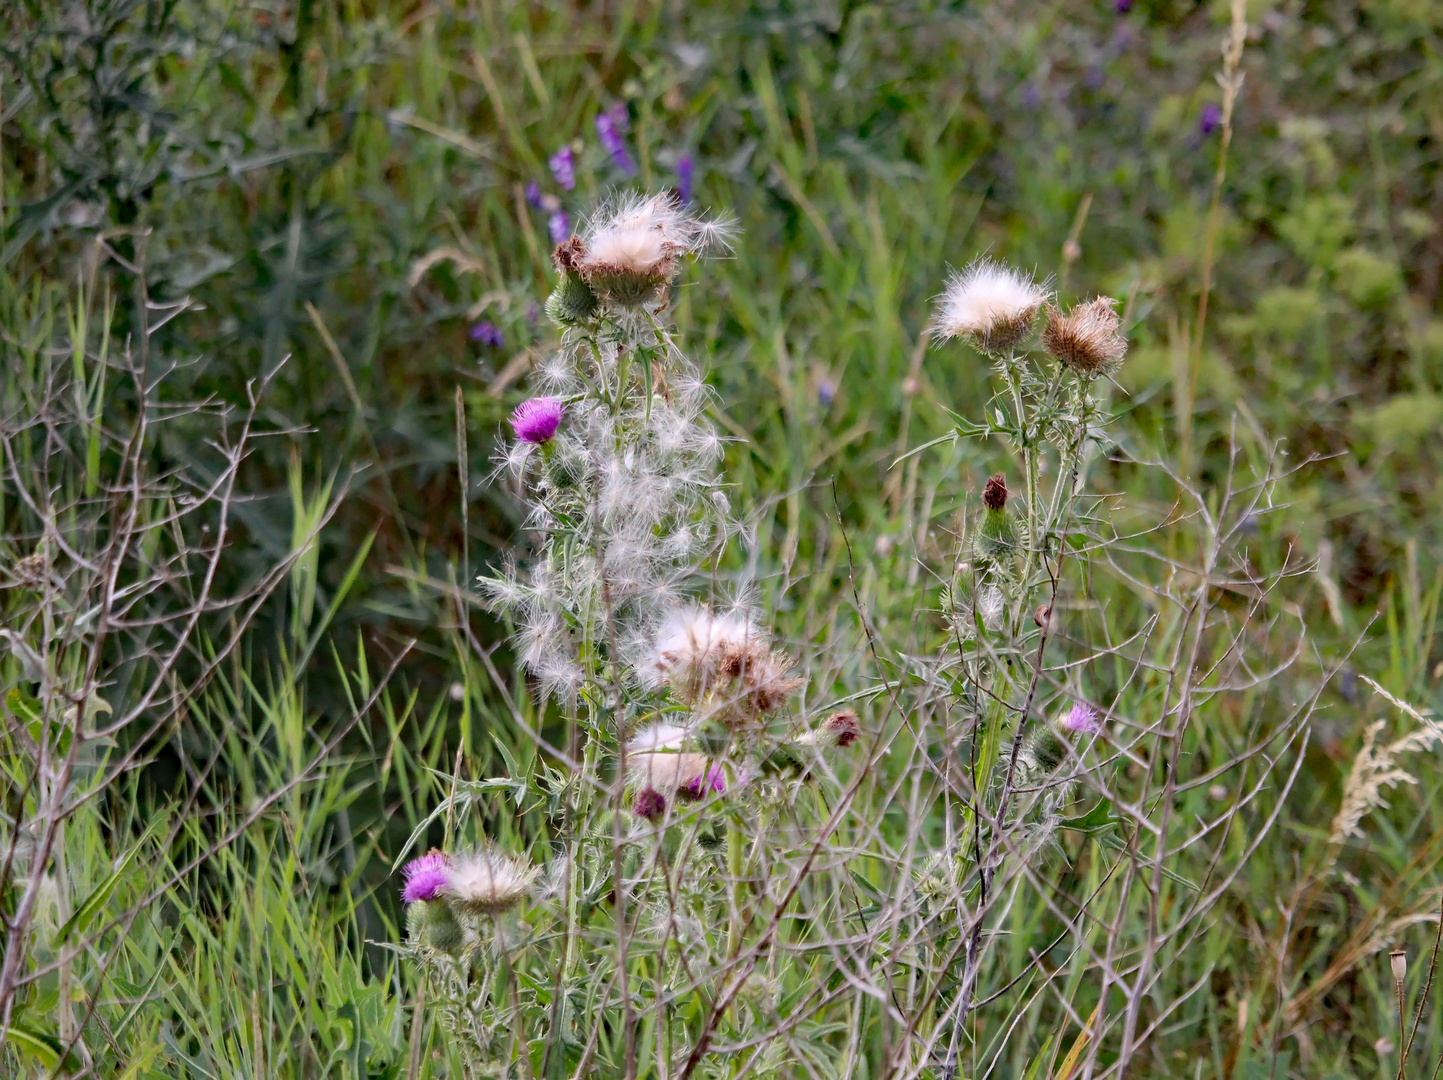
(365, 188)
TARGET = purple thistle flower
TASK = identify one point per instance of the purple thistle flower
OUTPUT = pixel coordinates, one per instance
(559, 226)
(425, 877)
(533, 194)
(714, 779)
(1210, 119)
(487, 333)
(1083, 719)
(650, 804)
(614, 144)
(563, 167)
(535, 421)
(684, 168)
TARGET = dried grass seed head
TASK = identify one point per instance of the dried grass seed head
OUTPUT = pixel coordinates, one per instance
(1087, 339)
(989, 303)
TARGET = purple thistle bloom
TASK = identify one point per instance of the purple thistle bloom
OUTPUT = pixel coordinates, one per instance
(563, 167)
(650, 804)
(535, 421)
(487, 333)
(533, 193)
(1083, 719)
(615, 145)
(559, 226)
(684, 169)
(1210, 119)
(425, 877)
(714, 779)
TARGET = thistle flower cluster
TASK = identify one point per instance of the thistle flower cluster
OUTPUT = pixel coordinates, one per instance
(626, 498)
(995, 307)
(444, 892)
(674, 708)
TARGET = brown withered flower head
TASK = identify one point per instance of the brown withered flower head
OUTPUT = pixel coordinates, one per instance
(994, 495)
(1086, 339)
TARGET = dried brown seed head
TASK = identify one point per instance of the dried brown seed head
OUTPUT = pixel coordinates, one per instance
(1087, 338)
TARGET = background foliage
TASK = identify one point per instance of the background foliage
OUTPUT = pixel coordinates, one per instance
(344, 184)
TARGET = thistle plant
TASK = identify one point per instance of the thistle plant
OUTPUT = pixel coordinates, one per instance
(712, 873)
(677, 734)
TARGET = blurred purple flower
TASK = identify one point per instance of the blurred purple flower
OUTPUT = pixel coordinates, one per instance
(1031, 95)
(425, 877)
(714, 779)
(488, 333)
(533, 193)
(650, 804)
(535, 421)
(563, 167)
(533, 312)
(1210, 119)
(1083, 719)
(620, 117)
(559, 226)
(684, 177)
(826, 391)
(614, 144)
(1122, 7)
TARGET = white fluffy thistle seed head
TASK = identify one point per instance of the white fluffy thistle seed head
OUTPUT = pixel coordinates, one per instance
(665, 772)
(991, 304)
(630, 249)
(723, 665)
(487, 881)
(658, 736)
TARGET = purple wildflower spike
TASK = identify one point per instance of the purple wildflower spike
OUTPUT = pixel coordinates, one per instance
(563, 167)
(535, 421)
(614, 144)
(684, 178)
(425, 877)
(487, 333)
(1210, 119)
(559, 226)
(1083, 719)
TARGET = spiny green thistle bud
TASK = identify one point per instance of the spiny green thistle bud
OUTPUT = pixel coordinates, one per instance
(785, 757)
(997, 535)
(1044, 751)
(431, 923)
(572, 300)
